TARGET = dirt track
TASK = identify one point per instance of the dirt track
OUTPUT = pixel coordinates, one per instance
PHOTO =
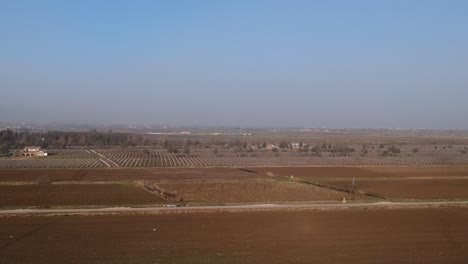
(231, 208)
(345, 236)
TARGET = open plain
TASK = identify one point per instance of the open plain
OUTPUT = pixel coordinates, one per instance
(235, 215)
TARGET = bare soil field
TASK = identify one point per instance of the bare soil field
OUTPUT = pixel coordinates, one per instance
(74, 195)
(249, 190)
(318, 172)
(345, 236)
(366, 172)
(421, 171)
(414, 188)
(56, 175)
(114, 174)
(233, 185)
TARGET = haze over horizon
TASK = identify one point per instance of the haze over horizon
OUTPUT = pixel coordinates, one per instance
(337, 64)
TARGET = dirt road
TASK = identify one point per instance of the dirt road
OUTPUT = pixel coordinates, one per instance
(234, 208)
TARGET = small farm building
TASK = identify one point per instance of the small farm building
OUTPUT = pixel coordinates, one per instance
(33, 151)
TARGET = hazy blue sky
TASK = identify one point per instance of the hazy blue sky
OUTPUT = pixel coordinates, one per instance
(248, 63)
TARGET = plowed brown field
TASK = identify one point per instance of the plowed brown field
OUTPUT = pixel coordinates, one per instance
(248, 191)
(350, 236)
(106, 174)
(74, 195)
(366, 172)
(414, 188)
(230, 185)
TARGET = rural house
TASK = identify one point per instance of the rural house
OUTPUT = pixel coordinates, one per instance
(33, 151)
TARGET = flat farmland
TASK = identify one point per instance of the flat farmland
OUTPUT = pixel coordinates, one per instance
(366, 171)
(401, 188)
(397, 182)
(249, 191)
(344, 236)
(318, 172)
(117, 174)
(421, 171)
(74, 195)
(115, 186)
(125, 175)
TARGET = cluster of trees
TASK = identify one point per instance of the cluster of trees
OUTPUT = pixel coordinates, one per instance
(53, 139)
(7, 141)
(391, 151)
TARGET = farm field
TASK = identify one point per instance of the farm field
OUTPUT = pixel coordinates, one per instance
(366, 171)
(320, 172)
(74, 195)
(413, 188)
(398, 182)
(124, 174)
(129, 174)
(405, 153)
(213, 186)
(249, 191)
(205, 186)
(422, 171)
(344, 236)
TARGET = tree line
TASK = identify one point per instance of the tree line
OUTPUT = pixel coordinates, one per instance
(10, 140)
